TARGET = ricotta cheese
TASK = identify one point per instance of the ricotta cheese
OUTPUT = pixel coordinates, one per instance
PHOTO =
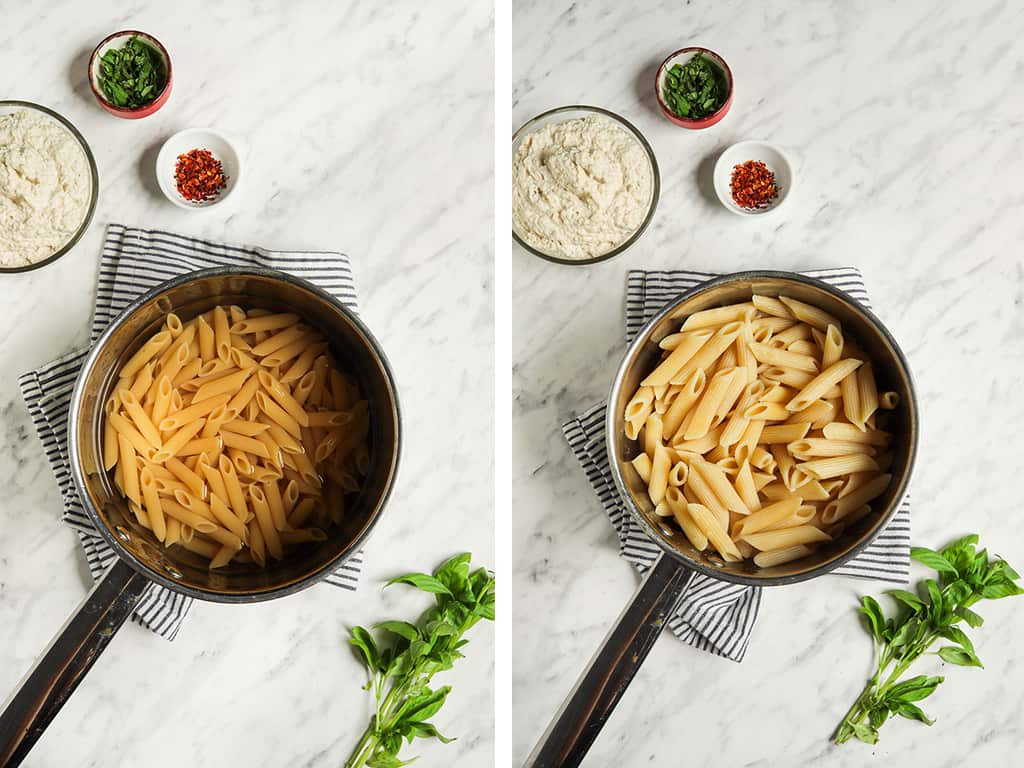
(45, 187)
(580, 188)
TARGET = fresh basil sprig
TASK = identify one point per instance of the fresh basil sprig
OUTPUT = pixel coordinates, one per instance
(965, 576)
(404, 658)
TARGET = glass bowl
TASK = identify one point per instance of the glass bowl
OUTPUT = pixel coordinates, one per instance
(8, 107)
(561, 114)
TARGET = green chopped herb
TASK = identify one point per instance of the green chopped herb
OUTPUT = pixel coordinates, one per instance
(132, 76)
(695, 89)
(965, 576)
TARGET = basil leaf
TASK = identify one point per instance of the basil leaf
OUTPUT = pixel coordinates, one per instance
(873, 611)
(932, 559)
(1001, 589)
(909, 599)
(421, 581)
(487, 610)
(935, 595)
(959, 656)
(363, 641)
(428, 731)
(878, 716)
(401, 628)
(387, 760)
(427, 705)
(957, 636)
(905, 633)
(915, 689)
(866, 733)
(969, 616)
(912, 712)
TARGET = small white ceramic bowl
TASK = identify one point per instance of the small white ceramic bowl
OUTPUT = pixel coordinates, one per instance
(737, 154)
(185, 141)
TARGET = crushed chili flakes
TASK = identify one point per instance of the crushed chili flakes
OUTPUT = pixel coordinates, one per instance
(199, 175)
(753, 185)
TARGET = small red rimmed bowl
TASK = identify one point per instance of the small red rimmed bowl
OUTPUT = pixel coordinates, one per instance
(682, 56)
(118, 40)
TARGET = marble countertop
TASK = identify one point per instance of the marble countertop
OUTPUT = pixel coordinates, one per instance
(361, 134)
(904, 123)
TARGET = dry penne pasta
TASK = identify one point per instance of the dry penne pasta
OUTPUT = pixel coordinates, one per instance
(762, 430)
(202, 427)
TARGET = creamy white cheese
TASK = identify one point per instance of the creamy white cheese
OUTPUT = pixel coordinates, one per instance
(45, 185)
(580, 188)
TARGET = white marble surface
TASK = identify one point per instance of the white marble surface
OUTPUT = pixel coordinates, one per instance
(364, 133)
(904, 120)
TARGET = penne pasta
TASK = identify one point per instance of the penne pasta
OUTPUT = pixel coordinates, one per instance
(781, 556)
(786, 537)
(714, 530)
(822, 469)
(738, 425)
(677, 358)
(813, 316)
(784, 433)
(820, 384)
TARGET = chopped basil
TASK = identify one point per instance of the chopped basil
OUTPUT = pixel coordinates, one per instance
(132, 76)
(695, 89)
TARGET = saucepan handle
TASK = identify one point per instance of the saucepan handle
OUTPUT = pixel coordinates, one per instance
(585, 711)
(63, 665)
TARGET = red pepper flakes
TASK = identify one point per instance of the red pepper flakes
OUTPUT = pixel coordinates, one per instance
(199, 175)
(753, 185)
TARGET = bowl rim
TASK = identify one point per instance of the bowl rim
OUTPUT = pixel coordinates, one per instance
(80, 484)
(93, 196)
(642, 521)
(524, 129)
(171, 194)
(694, 121)
(92, 70)
(733, 208)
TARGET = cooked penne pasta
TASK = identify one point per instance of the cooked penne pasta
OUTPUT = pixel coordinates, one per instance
(822, 469)
(680, 355)
(642, 465)
(813, 316)
(707, 407)
(786, 537)
(690, 391)
(678, 506)
(784, 358)
(217, 451)
(710, 352)
(780, 556)
(711, 527)
(712, 318)
(867, 393)
(738, 428)
(784, 433)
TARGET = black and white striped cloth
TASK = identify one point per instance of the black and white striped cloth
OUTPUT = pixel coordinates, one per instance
(134, 261)
(715, 616)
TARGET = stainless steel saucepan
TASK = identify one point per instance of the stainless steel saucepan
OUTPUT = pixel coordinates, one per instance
(142, 560)
(602, 684)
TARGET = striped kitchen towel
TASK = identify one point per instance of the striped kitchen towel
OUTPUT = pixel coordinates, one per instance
(134, 261)
(715, 616)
